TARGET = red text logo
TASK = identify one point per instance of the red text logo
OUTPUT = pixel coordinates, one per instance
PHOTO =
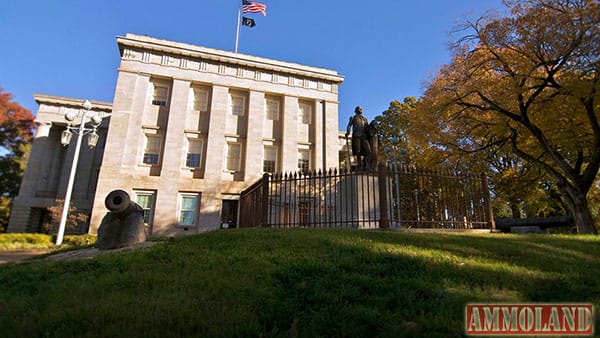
(529, 319)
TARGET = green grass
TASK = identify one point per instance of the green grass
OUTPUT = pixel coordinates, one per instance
(304, 283)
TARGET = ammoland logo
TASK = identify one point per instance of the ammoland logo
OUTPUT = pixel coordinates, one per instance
(529, 319)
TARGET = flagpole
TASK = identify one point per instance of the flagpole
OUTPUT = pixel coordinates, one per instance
(237, 32)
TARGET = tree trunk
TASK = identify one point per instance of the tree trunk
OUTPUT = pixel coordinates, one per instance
(577, 203)
(515, 209)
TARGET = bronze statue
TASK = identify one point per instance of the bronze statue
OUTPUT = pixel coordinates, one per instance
(364, 137)
(373, 134)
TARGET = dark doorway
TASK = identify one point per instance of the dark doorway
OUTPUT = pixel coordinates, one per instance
(229, 214)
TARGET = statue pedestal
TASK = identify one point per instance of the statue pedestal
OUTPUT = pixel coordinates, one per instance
(358, 201)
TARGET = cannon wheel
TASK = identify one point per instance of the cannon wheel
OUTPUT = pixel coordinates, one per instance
(117, 201)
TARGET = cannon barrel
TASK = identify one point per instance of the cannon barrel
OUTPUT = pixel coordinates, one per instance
(118, 201)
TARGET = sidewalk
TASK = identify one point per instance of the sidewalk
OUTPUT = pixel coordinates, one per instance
(18, 256)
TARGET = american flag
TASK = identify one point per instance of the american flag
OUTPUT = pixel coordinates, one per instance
(253, 7)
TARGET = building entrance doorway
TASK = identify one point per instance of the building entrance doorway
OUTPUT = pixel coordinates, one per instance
(229, 212)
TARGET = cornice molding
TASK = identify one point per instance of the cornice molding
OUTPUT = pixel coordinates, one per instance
(71, 102)
(181, 55)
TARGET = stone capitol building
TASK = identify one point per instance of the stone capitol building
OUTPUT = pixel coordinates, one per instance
(189, 128)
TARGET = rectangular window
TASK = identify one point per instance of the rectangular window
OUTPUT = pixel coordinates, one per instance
(188, 209)
(304, 210)
(194, 154)
(160, 95)
(238, 105)
(152, 149)
(234, 156)
(270, 159)
(201, 100)
(146, 200)
(272, 107)
(305, 111)
(303, 160)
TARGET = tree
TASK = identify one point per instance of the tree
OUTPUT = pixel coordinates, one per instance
(16, 132)
(528, 84)
(417, 139)
(393, 126)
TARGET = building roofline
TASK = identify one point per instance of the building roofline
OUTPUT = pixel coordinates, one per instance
(179, 48)
(71, 102)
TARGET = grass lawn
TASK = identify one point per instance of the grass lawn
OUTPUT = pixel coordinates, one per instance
(306, 283)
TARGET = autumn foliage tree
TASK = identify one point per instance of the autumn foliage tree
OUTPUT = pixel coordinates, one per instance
(405, 137)
(415, 139)
(16, 132)
(528, 84)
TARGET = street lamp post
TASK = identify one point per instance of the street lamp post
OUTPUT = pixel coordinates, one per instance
(66, 136)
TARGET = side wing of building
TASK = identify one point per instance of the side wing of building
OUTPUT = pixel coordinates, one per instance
(49, 163)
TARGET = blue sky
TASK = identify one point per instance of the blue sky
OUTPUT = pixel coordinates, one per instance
(385, 49)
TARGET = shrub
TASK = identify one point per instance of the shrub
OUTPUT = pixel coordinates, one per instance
(79, 240)
(42, 241)
(5, 205)
(75, 220)
(24, 241)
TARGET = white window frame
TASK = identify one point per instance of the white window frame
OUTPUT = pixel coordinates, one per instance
(303, 107)
(300, 167)
(187, 154)
(156, 99)
(270, 115)
(204, 107)
(275, 149)
(227, 157)
(146, 150)
(152, 194)
(180, 209)
(232, 98)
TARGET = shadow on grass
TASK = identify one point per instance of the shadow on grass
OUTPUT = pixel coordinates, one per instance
(307, 283)
(418, 284)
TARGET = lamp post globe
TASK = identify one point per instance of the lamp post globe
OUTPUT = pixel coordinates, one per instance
(87, 105)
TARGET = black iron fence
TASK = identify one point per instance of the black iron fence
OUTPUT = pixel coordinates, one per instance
(393, 197)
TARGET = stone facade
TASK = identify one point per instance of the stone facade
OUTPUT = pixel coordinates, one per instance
(191, 127)
(48, 167)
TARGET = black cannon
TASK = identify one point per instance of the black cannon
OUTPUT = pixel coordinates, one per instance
(532, 224)
(123, 225)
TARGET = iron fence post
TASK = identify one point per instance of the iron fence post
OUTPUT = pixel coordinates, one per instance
(486, 200)
(264, 212)
(384, 222)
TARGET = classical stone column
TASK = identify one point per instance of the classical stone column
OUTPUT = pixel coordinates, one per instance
(174, 147)
(36, 164)
(173, 153)
(211, 200)
(289, 149)
(330, 135)
(318, 141)
(254, 145)
(124, 140)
